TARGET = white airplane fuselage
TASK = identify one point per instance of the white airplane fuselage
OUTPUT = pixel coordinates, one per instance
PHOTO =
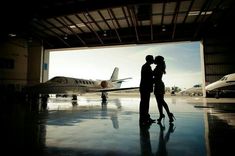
(58, 85)
(195, 90)
(76, 86)
(224, 85)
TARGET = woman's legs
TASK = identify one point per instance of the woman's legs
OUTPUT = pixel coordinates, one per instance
(164, 104)
(160, 108)
(161, 103)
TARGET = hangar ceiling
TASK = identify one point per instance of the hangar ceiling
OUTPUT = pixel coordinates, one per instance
(88, 23)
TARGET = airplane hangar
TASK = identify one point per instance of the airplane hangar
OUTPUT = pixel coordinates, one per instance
(87, 126)
(30, 29)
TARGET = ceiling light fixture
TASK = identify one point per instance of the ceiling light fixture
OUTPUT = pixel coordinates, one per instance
(12, 35)
(65, 36)
(163, 28)
(72, 26)
(195, 13)
(105, 34)
(77, 25)
(81, 25)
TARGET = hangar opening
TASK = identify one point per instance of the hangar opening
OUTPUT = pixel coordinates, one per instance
(183, 61)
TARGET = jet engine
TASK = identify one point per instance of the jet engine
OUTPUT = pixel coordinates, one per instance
(104, 84)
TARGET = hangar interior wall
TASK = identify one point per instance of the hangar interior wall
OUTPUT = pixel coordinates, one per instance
(219, 57)
(219, 52)
(20, 64)
(35, 55)
(13, 64)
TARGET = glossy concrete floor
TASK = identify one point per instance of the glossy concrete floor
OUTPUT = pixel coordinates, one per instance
(63, 127)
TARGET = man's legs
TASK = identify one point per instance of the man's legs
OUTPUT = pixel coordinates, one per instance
(144, 106)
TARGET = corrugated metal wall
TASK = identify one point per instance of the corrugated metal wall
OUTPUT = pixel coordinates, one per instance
(219, 57)
(219, 48)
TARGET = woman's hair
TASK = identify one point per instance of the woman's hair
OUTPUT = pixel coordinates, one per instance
(159, 60)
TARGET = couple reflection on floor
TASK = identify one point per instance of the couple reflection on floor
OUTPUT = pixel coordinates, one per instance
(145, 142)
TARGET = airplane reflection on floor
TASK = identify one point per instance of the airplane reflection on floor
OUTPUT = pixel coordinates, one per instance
(63, 116)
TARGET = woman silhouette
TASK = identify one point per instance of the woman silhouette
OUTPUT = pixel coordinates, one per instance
(162, 149)
(159, 88)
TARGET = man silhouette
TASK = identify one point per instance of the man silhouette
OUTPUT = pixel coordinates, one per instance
(146, 87)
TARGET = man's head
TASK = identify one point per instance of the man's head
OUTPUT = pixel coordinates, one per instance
(149, 59)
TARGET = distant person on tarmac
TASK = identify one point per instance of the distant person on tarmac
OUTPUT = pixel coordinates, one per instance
(146, 87)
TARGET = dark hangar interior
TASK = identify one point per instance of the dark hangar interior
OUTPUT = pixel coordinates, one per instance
(28, 28)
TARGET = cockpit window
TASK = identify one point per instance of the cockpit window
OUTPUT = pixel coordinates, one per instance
(59, 80)
(224, 78)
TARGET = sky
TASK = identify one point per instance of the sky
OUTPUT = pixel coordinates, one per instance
(183, 64)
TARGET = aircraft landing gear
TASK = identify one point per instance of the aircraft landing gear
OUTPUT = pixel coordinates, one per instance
(44, 100)
(74, 100)
(218, 94)
(104, 96)
(74, 97)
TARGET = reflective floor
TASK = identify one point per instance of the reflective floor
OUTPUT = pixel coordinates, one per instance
(64, 127)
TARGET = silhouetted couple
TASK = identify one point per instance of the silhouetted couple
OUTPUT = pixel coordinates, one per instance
(148, 79)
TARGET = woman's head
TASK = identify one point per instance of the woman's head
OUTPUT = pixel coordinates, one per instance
(159, 61)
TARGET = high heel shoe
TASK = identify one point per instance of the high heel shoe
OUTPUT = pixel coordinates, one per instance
(171, 117)
(162, 127)
(162, 116)
(171, 127)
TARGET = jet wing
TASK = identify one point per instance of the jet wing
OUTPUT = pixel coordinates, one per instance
(111, 89)
(121, 80)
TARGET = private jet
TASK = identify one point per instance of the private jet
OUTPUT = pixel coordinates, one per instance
(196, 90)
(76, 86)
(223, 87)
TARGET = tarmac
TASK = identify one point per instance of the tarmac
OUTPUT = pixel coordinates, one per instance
(87, 126)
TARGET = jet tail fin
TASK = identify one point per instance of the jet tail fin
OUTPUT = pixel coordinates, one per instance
(114, 78)
(115, 74)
